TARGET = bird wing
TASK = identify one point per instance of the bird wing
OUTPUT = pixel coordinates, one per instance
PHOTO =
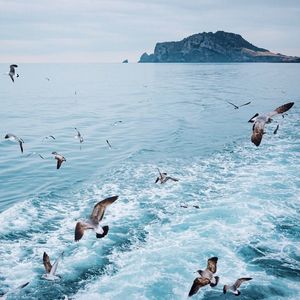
(281, 109)
(23, 285)
(99, 209)
(10, 135)
(59, 162)
(232, 104)
(79, 230)
(160, 174)
(252, 120)
(21, 146)
(245, 104)
(197, 284)
(108, 143)
(257, 132)
(12, 69)
(212, 264)
(78, 133)
(13, 66)
(55, 265)
(52, 137)
(47, 263)
(238, 283)
(171, 178)
(11, 76)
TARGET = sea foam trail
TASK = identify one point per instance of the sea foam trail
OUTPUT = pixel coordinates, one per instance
(241, 204)
(154, 245)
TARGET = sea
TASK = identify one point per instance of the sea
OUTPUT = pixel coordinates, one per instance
(233, 200)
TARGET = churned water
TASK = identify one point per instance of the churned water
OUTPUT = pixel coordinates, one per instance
(175, 117)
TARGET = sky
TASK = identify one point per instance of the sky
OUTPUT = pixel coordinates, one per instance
(89, 31)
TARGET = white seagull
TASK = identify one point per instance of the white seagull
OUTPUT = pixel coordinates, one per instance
(234, 288)
(51, 269)
(206, 276)
(95, 219)
(12, 72)
(13, 137)
(237, 107)
(261, 120)
(79, 136)
(60, 159)
(163, 178)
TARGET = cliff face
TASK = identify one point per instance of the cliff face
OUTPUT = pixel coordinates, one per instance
(213, 47)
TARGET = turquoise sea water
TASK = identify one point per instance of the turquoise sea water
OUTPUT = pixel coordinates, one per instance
(175, 117)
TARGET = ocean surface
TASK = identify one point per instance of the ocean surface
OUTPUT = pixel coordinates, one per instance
(174, 117)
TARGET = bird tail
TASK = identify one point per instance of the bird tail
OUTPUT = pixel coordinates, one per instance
(105, 231)
(216, 282)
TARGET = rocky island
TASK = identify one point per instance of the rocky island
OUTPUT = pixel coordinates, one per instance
(213, 47)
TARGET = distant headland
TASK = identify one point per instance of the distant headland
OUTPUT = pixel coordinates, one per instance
(213, 47)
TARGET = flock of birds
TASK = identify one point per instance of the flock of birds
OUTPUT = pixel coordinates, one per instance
(93, 222)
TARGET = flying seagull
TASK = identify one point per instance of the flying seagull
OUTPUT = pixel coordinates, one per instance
(48, 137)
(186, 206)
(51, 269)
(4, 296)
(206, 276)
(12, 72)
(163, 178)
(237, 107)
(60, 159)
(79, 136)
(234, 288)
(117, 122)
(95, 219)
(261, 120)
(13, 137)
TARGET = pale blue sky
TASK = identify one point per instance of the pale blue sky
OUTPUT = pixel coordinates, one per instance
(112, 30)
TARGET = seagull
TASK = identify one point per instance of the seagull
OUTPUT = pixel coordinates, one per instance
(108, 143)
(237, 107)
(79, 136)
(60, 159)
(234, 288)
(206, 276)
(163, 178)
(186, 206)
(12, 72)
(4, 296)
(94, 220)
(13, 137)
(261, 120)
(276, 129)
(117, 122)
(51, 269)
(48, 137)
